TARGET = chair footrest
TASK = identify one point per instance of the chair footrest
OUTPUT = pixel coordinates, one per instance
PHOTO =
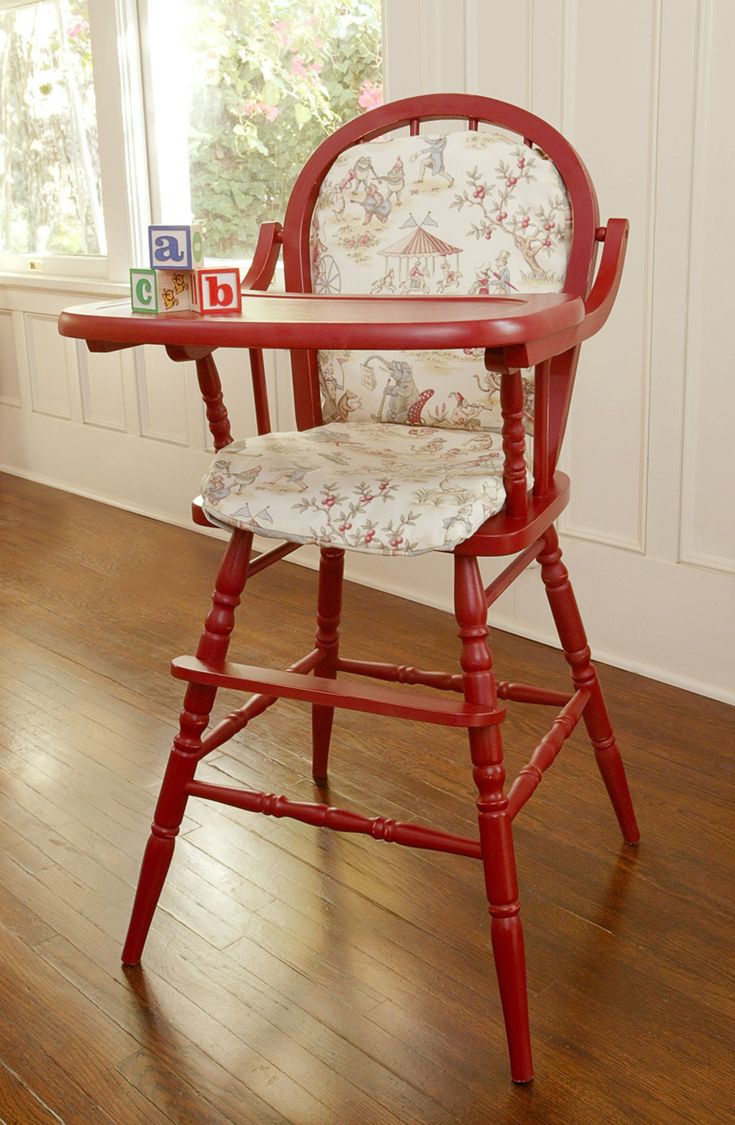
(375, 699)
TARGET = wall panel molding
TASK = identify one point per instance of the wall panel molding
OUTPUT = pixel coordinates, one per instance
(707, 502)
(9, 383)
(101, 388)
(608, 431)
(47, 367)
(161, 389)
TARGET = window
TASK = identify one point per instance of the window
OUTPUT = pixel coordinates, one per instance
(202, 109)
(242, 92)
(50, 197)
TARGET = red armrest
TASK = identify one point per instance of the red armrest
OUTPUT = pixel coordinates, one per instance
(602, 295)
(267, 249)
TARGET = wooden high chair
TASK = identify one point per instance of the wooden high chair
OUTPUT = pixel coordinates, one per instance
(403, 451)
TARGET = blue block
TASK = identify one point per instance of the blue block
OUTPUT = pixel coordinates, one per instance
(175, 248)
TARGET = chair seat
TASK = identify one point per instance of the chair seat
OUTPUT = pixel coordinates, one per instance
(363, 486)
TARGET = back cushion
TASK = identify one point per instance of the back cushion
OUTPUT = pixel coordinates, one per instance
(467, 213)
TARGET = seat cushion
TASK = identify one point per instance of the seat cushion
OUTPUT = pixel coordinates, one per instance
(365, 486)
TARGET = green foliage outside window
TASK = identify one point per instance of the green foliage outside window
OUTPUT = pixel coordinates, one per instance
(272, 78)
(49, 169)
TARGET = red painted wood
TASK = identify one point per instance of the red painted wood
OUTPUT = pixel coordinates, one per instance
(401, 674)
(541, 393)
(601, 299)
(341, 820)
(504, 535)
(328, 610)
(267, 251)
(514, 445)
(506, 577)
(260, 391)
(197, 513)
(372, 699)
(304, 321)
(501, 884)
(237, 720)
(529, 693)
(545, 753)
(571, 632)
(262, 562)
(198, 703)
(211, 391)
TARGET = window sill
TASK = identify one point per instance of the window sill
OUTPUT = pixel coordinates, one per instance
(58, 283)
(61, 283)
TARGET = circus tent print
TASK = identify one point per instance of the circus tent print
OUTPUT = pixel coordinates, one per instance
(417, 253)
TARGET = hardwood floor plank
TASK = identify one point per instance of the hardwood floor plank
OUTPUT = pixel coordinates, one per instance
(173, 1050)
(72, 1046)
(19, 1104)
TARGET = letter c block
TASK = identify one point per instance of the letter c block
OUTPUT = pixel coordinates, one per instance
(143, 291)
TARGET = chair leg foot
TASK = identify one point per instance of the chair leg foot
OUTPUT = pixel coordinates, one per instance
(168, 816)
(612, 771)
(198, 703)
(154, 868)
(573, 639)
(510, 966)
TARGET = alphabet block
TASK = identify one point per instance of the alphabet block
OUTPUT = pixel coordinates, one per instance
(216, 290)
(160, 291)
(179, 248)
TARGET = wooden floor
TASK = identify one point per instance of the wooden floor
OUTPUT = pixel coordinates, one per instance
(301, 976)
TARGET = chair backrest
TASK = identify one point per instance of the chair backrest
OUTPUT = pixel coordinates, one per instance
(391, 202)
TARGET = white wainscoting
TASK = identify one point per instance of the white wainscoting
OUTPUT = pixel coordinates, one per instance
(644, 92)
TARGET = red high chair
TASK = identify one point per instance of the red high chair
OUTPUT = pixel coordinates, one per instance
(402, 452)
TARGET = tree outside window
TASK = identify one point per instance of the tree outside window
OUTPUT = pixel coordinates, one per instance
(262, 83)
(50, 200)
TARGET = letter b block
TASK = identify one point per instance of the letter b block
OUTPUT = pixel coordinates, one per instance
(175, 248)
(216, 291)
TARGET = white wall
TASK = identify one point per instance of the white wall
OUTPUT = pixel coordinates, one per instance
(644, 89)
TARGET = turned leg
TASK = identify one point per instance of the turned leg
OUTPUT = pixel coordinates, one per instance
(198, 703)
(576, 650)
(496, 838)
(329, 607)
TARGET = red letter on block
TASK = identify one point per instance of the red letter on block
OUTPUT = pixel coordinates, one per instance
(219, 290)
(219, 295)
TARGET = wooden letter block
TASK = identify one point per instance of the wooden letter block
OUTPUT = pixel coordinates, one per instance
(217, 290)
(143, 291)
(175, 247)
(160, 291)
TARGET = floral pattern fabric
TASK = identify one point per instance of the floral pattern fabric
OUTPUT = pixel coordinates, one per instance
(380, 488)
(475, 212)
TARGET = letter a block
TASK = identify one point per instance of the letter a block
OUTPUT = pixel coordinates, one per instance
(160, 291)
(216, 291)
(176, 248)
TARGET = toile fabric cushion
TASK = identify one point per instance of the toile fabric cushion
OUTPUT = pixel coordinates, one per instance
(374, 487)
(472, 212)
